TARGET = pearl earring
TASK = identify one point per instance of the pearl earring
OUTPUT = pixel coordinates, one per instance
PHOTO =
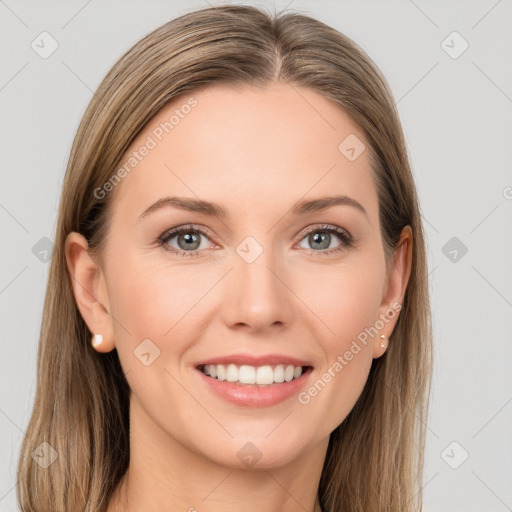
(383, 338)
(97, 340)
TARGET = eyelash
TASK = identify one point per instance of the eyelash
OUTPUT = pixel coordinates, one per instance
(346, 238)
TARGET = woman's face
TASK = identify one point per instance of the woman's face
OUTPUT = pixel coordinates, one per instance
(263, 285)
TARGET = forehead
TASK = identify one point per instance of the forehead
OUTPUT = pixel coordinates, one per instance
(244, 147)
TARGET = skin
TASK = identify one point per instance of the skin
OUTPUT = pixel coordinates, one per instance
(256, 152)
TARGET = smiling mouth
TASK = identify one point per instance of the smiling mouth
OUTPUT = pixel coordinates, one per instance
(255, 376)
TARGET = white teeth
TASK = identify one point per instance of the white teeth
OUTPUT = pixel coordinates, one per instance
(264, 375)
(232, 373)
(221, 372)
(245, 374)
(279, 373)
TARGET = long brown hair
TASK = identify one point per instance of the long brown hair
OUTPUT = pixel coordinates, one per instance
(374, 460)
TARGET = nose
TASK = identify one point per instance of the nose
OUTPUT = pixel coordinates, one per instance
(258, 294)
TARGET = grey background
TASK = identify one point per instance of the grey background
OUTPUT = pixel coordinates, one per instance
(456, 114)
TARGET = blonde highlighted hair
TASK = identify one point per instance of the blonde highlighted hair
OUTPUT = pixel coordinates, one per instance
(374, 460)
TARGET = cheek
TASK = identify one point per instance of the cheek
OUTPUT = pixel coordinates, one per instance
(147, 300)
(358, 304)
(345, 297)
(348, 303)
(154, 301)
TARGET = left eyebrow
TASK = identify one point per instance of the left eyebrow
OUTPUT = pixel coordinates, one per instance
(322, 203)
(216, 210)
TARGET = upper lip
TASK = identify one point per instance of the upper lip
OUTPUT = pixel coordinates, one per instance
(252, 360)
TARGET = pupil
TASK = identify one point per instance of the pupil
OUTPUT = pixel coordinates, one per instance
(190, 238)
(321, 239)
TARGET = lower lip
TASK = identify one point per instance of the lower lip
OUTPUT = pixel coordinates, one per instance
(254, 396)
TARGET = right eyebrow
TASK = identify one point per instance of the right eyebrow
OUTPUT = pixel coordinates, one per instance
(189, 204)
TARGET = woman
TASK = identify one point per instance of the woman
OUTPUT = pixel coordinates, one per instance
(237, 314)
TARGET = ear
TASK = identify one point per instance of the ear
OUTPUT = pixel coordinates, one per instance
(89, 288)
(394, 293)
